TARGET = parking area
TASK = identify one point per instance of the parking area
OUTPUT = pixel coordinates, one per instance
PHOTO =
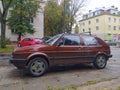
(72, 77)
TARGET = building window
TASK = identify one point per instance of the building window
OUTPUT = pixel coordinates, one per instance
(97, 27)
(114, 20)
(109, 19)
(97, 20)
(114, 28)
(89, 29)
(89, 22)
(109, 27)
(83, 24)
(119, 27)
(83, 30)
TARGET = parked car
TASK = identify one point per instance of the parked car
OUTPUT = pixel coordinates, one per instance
(46, 38)
(111, 42)
(30, 41)
(62, 49)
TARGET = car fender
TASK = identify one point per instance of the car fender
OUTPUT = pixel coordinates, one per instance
(100, 53)
(37, 54)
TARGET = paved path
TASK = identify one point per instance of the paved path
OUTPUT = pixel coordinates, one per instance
(68, 77)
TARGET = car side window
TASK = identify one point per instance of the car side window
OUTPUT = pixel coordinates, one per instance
(90, 41)
(27, 39)
(70, 40)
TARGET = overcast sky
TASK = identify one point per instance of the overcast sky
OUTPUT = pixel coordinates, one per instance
(92, 4)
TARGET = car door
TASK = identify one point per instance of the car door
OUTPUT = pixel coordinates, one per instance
(68, 50)
(91, 47)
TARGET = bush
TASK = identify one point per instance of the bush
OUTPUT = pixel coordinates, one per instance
(7, 40)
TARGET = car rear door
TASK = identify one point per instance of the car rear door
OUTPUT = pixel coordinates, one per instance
(91, 47)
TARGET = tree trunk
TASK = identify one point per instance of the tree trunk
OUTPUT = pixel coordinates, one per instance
(19, 37)
(3, 30)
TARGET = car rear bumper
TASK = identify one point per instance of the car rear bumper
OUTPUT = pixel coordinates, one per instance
(109, 56)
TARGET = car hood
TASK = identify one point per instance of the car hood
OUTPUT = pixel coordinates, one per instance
(29, 48)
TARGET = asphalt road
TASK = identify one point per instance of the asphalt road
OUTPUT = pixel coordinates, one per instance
(72, 77)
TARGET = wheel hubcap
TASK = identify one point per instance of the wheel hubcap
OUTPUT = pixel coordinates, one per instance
(37, 67)
(101, 61)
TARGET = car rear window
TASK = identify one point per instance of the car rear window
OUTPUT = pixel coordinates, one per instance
(27, 39)
(90, 40)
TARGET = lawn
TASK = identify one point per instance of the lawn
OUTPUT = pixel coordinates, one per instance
(7, 49)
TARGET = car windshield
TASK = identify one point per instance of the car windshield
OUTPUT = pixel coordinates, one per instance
(53, 39)
(38, 40)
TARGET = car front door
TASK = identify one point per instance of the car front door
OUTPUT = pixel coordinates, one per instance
(69, 50)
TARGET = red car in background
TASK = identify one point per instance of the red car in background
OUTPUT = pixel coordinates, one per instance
(30, 41)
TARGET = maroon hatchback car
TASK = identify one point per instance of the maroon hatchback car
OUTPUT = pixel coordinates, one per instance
(62, 49)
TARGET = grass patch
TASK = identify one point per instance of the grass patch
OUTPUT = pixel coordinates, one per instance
(7, 49)
(88, 83)
(92, 82)
(50, 88)
(118, 88)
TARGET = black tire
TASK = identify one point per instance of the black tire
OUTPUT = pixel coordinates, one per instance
(37, 66)
(100, 62)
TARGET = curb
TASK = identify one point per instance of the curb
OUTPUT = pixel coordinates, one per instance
(5, 54)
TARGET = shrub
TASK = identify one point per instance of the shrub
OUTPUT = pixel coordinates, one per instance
(7, 40)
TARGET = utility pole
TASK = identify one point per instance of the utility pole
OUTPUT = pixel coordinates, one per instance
(21, 16)
(64, 17)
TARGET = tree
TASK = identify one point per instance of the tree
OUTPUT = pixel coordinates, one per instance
(76, 29)
(5, 5)
(21, 15)
(74, 10)
(53, 18)
(61, 17)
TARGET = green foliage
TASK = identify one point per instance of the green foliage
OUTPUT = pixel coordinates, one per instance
(21, 15)
(53, 18)
(61, 17)
(118, 88)
(7, 40)
(76, 29)
(5, 5)
(50, 88)
(7, 49)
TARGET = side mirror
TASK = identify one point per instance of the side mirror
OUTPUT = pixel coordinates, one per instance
(60, 43)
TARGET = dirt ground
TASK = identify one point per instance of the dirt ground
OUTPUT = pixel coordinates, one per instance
(80, 77)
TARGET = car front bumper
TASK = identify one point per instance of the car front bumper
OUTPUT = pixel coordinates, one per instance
(20, 63)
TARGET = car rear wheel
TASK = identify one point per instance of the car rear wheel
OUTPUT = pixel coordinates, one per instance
(100, 62)
(37, 66)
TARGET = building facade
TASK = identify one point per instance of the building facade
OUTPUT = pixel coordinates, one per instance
(38, 23)
(103, 22)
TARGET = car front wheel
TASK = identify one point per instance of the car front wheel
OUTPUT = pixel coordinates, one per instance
(100, 62)
(37, 66)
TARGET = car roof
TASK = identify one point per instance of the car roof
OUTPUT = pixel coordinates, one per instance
(81, 34)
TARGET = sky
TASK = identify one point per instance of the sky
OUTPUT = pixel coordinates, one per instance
(92, 4)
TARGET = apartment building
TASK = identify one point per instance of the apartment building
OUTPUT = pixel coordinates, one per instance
(38, 23)
(103, 22)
